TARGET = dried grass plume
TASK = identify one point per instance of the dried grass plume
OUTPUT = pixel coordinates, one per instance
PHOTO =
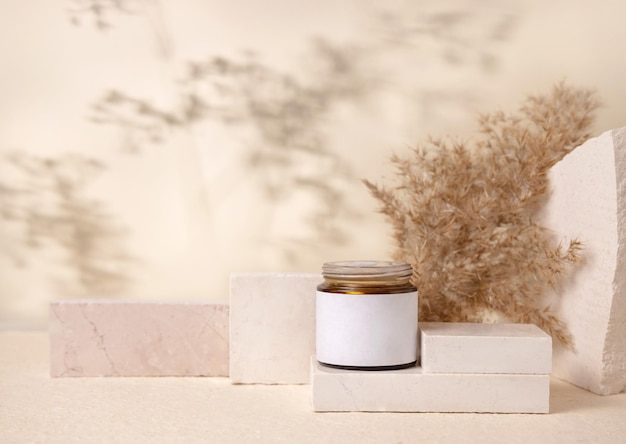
(464, 214)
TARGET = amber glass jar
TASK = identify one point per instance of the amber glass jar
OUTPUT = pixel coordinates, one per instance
(366, 316)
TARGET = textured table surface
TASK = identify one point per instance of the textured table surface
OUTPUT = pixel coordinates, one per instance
(37, 408)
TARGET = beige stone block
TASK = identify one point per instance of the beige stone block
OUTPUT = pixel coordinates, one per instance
(272, 327)
(129, 338)
(588, 202)
(411, 390)
(460, 347)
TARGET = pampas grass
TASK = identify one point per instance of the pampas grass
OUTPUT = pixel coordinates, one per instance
(464, 214)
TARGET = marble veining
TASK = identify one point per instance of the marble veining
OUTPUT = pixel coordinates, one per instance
(113, 338)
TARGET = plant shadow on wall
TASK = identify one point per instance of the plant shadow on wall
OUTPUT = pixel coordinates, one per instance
(454, 31)
(291, 115)
(459, 40)
(100, 14)
(44, 201)
(100, 11)
(290, 153)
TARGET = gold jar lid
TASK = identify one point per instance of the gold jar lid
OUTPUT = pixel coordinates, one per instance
(367, 270)
(366, 277)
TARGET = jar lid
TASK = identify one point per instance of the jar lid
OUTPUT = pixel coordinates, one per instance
(366, 269)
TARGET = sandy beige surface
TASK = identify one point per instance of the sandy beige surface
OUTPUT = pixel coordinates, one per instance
(37, 408)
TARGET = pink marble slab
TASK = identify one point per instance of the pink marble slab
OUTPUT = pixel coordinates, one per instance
(137, 338)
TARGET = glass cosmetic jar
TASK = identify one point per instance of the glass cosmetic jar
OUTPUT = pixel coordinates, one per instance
(366, 316)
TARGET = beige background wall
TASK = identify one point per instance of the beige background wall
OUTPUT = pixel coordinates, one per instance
(126, 172)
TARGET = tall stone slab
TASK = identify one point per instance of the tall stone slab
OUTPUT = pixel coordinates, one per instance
(272, 327)
(588, 202)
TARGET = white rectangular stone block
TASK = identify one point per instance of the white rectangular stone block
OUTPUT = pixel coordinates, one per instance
(411, 390)
(588, 202)
(450, 347)
(272, 327)
(138, 338)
